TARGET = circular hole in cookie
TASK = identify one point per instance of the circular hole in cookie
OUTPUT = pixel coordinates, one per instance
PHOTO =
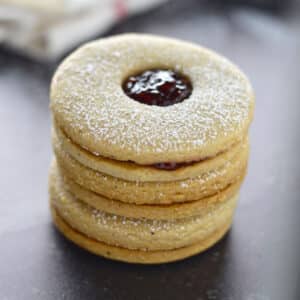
(161, 87)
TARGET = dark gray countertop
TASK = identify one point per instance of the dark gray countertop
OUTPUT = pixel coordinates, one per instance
(258, 259)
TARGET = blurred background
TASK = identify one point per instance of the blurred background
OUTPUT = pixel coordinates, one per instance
(259, 259)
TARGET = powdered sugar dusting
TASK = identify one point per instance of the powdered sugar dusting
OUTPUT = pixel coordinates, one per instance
(88, 101)
(70, 207)
(150, 192)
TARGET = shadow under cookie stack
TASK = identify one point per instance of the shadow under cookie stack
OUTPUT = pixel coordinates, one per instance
(150, 137)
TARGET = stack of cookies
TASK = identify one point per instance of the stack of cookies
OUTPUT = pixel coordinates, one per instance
(150, 136)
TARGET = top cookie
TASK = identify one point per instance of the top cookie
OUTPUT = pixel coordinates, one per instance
(90, 106)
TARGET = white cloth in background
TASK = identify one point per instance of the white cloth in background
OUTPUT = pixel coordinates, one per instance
(45, 29)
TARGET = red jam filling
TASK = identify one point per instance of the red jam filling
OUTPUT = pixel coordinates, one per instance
(158, 87)
(161, 88)
(170, 166)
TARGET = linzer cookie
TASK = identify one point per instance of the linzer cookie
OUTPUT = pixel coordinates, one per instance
(150, 136)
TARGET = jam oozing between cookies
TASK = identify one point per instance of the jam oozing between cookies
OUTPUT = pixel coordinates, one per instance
(158, 87)
(170, 166)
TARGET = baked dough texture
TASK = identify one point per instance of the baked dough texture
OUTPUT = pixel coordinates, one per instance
(156, 212)
(89, 104)
(105, 193)
(130, 171)
(142, 234)
(140, 192)
(134, 256)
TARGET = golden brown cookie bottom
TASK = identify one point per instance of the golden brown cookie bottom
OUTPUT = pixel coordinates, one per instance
(136, 256)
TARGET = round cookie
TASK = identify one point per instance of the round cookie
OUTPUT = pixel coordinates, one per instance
(141, 234)
(166, 212)
(136, 256)
(153, 192)
(133, 172)
(88, 102)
